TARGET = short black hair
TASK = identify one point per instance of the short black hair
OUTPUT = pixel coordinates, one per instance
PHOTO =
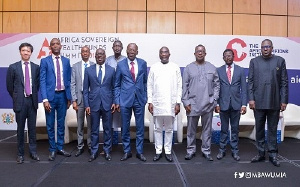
(226, 50)
(268, 41)
(26, 45)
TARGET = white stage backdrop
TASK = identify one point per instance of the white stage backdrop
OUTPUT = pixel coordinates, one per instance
(181, 49)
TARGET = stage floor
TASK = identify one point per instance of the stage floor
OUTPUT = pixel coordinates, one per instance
(77, 171)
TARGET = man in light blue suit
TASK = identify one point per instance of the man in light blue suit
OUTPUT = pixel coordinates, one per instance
(131, 95)
(232, 102)
(98, 98)
(55, 78)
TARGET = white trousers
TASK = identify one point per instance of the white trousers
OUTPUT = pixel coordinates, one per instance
(163, 123)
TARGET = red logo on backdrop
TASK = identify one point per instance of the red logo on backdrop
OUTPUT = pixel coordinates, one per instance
(219, 124)
(237, 46)
(44, 51)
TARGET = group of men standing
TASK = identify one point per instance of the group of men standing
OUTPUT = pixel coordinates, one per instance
(114, 87)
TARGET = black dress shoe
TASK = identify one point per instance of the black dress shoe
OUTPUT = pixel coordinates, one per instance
(236, 157)
(274, 161)
(220, 155)
(34, 157)
(189, 156)
(20, 159)
(141, 157)
(207, 157)
(157, 157)
(92, 157)
(126, 156)
(169, 157)
(258, 158)
(79, 152)
(107, 157)
(52, 156)
(64, 153)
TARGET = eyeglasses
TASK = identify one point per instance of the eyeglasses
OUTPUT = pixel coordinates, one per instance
(266, 46)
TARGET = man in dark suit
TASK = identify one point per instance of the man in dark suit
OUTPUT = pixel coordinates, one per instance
(77, 98)
(22, 82)
(98, 101)
(55, 81)
(131, 94)
(268, 95)
(232, 102)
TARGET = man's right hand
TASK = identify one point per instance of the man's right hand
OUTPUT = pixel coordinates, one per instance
(150, 108)
(47, 106)
(118, 108)
(188, 108)
(75, 106)
(217, 109)
(88, 110)
(252, 105)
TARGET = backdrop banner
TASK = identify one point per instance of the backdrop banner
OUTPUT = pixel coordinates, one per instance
(181, 47)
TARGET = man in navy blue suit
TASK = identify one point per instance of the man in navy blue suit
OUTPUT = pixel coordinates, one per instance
(232, 102)
(55, 78)
(98, 98)
(25, 98)
(131, 95)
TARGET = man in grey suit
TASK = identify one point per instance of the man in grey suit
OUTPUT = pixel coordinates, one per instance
(23, 82)
(232, 102)
(77, 99)
(268, 95)
(200, 91)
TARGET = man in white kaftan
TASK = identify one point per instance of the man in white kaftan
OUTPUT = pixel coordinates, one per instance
(164, 88)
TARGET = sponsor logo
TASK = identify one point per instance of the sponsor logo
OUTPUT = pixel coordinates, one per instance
(8, 118)
(239, 47)
(44, 51)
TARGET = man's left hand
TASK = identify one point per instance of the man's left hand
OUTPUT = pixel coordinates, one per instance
(177, 109)
(283, 107)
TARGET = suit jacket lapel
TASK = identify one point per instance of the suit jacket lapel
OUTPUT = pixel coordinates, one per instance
(51, 64)
(104, 78)
(235, 76)
(139, 69)
(80, 70)
(94, 73)
(20, 71)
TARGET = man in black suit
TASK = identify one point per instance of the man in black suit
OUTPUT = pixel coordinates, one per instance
(23, 82)
(232, 102)
(268, 95)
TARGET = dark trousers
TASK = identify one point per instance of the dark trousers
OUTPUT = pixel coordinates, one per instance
(58, 104)
(139, 113)
(233, 117)
(107, 128)
(28, 112)
(272, 117)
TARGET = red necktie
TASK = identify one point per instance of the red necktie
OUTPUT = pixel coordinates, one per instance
(132, 71)
(27, 79)
(229, 73)
(58, 76)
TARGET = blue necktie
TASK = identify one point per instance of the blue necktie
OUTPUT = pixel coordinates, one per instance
(100, 74)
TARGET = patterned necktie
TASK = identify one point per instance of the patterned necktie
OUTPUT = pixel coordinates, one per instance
(85, 65)
(100, 75)
(229, 73)
(132, 71)
(58, 75)
(27, 79)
